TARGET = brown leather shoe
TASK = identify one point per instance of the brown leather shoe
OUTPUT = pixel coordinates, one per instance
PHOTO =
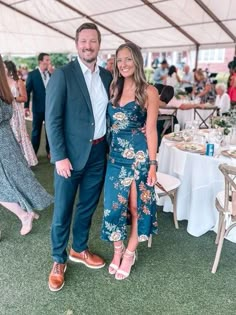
(56, 277)
(88, 259)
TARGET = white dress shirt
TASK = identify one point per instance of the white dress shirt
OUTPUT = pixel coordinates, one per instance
(98, 96)
(45, 76)
(223, 103)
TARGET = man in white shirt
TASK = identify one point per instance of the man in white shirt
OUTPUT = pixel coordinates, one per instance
(76, 102)
(187, 79)
(160, 74)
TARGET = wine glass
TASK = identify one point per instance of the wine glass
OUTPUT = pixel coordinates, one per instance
(219, 135)
(185, 134)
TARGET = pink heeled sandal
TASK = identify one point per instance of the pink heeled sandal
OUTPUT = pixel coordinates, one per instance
(118, 250)
(128, 256)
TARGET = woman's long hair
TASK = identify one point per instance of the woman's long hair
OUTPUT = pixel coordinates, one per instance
(11, 70)
(172, 70)
(5, 92)
(117, 84)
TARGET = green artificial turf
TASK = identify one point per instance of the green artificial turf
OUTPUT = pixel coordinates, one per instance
(173, 277)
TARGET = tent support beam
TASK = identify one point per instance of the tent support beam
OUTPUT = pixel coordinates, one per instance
(171, 22)
(34, 19)
(91, 19)
(215, 19)
(196, 58)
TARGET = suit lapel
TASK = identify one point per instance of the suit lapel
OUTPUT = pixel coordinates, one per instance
(40, 79)
(81, 83)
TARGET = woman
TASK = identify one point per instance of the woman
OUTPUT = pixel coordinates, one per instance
(232, 87)
(172, 77)
(222, 99)
(20, 190)
(18, 125)
(131, 170)
(202, 87)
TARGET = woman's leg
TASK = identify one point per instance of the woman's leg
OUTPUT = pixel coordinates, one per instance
(129, 256)
(26, 218)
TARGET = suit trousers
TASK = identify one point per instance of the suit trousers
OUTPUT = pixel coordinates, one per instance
(89, 181)
(38, 119)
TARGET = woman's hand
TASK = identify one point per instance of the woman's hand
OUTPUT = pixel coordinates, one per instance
(152, 177)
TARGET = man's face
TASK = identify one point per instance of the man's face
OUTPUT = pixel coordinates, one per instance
(88, 46)
(43, 64)
(110, 65)
(186, 69)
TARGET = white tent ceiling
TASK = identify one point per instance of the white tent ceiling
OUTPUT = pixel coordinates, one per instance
(32, 26)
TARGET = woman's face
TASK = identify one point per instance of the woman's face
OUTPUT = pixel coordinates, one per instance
(125, 63)
(219, 91)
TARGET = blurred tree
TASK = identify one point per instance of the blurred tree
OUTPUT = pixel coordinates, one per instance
(57, 60)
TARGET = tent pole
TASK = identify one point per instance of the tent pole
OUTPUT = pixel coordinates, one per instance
(196, 59)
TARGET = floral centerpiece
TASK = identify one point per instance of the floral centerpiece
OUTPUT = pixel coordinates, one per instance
(221, 122)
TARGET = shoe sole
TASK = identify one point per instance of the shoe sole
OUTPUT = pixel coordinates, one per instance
(84, 263)
(58, 289)
(55, 290)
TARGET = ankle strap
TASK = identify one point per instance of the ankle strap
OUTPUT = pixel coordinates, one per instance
(129, 253)
(118, 247)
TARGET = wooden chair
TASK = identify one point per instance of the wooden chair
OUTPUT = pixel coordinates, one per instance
(170, 185)
(226, 206)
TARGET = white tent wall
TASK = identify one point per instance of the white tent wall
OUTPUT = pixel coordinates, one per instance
(32, 26)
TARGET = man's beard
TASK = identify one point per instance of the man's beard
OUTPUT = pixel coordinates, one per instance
(90, 60)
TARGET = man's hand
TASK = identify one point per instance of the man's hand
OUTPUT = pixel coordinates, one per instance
(64, 168)
(27, 112)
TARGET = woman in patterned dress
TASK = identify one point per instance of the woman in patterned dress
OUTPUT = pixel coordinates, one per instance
(18, 125)
(131, 171)
(20, 192)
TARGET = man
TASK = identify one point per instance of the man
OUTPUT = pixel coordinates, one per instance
(76, 102)
(36, 83)
(110, 64)
(187, 79)
(160, 74)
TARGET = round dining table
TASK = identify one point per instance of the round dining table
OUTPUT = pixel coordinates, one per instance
(201, 180)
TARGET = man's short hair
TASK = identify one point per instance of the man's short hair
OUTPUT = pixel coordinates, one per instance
(41, 56)
(87, 26)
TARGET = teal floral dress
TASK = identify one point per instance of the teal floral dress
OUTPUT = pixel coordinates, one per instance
(128, 161)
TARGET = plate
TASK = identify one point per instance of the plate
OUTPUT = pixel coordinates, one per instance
(174, 137)
(229, 153)
(191, 147)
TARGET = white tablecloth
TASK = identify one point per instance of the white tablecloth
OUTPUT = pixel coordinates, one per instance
(201, 180)
(184, 115)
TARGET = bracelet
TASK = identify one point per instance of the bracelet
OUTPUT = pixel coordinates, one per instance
(153, 162)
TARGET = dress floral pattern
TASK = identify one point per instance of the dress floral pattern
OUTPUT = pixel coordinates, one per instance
(19, 129)
(128, 161)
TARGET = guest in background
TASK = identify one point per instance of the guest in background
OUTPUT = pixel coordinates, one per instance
(51, 68)
(110, 64)
(20, 192)
(232, 83)
(222, 99)
(160, 74)
(18, 125)
(187, 79)
(202, 86)
(172, 78)
(36, 83)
